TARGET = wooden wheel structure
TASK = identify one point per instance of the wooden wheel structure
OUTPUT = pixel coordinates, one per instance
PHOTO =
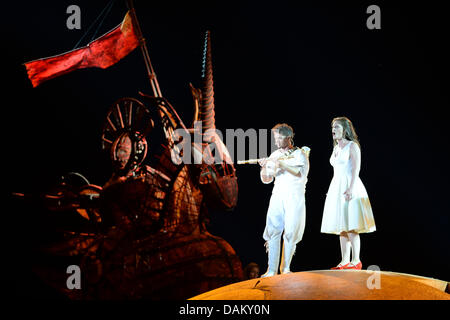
(128, 123)
(145, 196)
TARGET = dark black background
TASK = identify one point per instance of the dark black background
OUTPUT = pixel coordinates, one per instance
(301, 63)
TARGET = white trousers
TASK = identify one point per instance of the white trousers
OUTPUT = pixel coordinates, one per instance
(287, 212)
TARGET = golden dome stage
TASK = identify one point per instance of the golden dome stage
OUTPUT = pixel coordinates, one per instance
(333, 285)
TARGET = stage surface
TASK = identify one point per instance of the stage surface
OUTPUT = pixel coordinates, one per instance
(333, 285)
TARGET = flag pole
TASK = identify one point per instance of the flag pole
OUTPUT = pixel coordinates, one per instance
(142, 43)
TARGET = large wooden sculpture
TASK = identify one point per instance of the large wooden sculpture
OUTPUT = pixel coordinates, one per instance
(143, 233)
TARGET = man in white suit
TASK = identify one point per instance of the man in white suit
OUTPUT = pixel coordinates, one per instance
(289, 167)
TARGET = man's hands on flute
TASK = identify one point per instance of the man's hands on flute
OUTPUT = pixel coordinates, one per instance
(262, 162)
(267, 170)
(278, 164)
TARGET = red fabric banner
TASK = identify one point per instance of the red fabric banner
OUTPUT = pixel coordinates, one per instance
(102, 53)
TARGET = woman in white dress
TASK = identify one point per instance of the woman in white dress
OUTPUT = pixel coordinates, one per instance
(347, 211)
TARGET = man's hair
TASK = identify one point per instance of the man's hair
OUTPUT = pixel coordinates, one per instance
(284, 129)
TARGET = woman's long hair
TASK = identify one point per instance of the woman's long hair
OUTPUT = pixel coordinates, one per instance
(348, 130)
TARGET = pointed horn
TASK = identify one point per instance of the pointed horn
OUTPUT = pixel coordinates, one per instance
(207, 114)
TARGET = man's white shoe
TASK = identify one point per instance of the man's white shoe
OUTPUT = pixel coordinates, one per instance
(273, 248)
(286, 258)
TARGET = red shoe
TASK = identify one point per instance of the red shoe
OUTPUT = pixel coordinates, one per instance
(340, 266)
(357, 266)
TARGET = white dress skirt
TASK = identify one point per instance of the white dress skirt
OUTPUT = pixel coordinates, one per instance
(338, 214)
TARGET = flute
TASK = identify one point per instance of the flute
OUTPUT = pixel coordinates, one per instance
(255, 161)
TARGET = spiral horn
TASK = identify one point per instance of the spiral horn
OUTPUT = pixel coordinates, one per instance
(207, 114)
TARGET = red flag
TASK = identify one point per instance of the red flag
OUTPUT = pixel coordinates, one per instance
(102, 53)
